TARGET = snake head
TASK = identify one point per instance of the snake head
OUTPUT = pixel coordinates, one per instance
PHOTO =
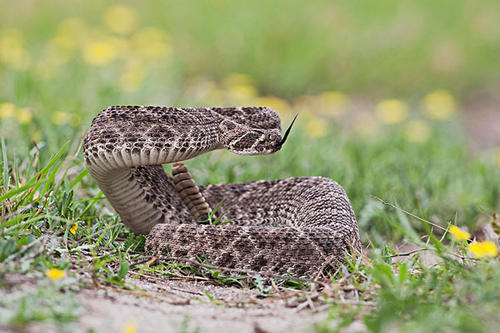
(245, 140)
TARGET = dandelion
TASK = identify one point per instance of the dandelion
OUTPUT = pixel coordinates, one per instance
(7, 110)
(417, 131)
(99, 53)
(74, 228)
(55, 274)
(23, 115)
(274, 102)
(391, 111)
(439, 105)
(130, 327)
(483, 249)
(60, 118)
(120, 19)
(316, 128)
(459, 234)
(12, 51)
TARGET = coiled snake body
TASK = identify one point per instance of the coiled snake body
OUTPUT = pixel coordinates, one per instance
(293, 225)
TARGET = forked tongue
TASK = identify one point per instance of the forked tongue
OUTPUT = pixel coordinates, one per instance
(287, 131)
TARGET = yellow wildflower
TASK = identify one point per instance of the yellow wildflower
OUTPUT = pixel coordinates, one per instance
(7, 110)
(99, 53)
(12, 51)
(391, 111)
(60, 118)
(55, 274)
(483, 249)
(459, 234)
(23, 115)
(130, 327)
(120, 19)
(74, 228)
(317, 128)
(417, 131)
(439, 105)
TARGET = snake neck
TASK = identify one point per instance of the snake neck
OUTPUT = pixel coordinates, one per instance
(124, 149)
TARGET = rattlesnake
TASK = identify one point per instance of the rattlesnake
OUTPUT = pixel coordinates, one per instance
(289, 226)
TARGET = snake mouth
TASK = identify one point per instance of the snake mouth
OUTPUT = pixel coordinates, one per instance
(282, 142)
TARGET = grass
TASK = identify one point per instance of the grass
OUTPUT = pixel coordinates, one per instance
(59, 71)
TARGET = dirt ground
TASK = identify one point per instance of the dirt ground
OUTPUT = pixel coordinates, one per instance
(183, 306)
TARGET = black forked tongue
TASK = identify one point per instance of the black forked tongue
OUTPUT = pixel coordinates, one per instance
(287, 131)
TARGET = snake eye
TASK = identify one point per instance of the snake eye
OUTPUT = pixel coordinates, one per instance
(272, 137)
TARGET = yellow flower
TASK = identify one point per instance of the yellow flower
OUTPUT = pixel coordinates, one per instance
(55, 274)
(60, 118)
(23, 115)
(12, 51)
(417, 131)
(120, 19)
(333, 103)
(483, 249)
(317, 128)
(130, 327)
(391, 111)
(275, 103)
(439, 105)
(7, 110)
(99, 53)
(365, 123)
(74, 228)
(459, 234)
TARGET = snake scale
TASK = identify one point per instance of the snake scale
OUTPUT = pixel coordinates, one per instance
(293, 226)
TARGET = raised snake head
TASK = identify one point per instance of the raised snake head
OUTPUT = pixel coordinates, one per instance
(252, 131)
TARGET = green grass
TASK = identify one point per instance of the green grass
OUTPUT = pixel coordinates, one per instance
(284, 50)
